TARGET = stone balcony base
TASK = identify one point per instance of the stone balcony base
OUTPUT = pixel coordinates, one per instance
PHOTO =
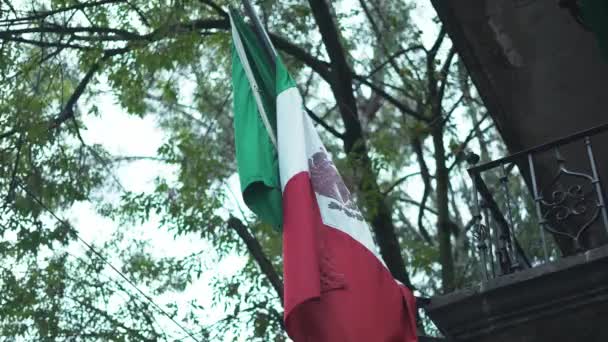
(562, 301)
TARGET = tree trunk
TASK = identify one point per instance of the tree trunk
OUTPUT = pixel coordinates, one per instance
(443, 214)
(341, 82)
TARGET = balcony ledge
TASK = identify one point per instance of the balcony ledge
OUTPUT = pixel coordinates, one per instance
(565, 300)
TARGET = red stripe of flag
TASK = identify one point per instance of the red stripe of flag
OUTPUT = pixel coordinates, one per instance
(336, 290)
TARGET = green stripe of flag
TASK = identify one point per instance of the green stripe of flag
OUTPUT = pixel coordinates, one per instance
(284, 80)
(255, 127)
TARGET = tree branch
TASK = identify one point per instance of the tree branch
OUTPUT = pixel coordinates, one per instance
(371, 107)
(8, 133)
(40, 43)
(88, 305)
(418, 204)
(324, 124)
(444, 73)
(379, 37)
(446, 118)
(139, 12)
(392, 100)
(341, 74)
(254, 247)
(215, 6)
(437, 44)
(13, 183)
(392, 57)
(426, 179)
(319, 66)
(65, 30)
(467, 140)
(433, 98)
(398, 182)
(44, 15)
(409, 226)
(68, 110)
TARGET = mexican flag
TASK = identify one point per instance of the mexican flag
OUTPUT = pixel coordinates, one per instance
(337, 288)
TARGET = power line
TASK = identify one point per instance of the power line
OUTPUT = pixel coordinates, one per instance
(119, 290)
(128, 293)
(105, 260)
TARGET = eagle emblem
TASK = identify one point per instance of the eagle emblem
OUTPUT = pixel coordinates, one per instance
(327, 182)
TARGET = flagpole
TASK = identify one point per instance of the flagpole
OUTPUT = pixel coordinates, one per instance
(260, 31)
(238, 44)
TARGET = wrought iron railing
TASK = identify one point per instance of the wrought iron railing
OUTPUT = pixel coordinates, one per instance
(564, 199)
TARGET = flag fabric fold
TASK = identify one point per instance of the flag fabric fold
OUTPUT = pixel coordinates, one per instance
(253, 79)
(337, 287)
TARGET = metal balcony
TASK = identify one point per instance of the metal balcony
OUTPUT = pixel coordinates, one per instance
(542, 248)
(566, 203)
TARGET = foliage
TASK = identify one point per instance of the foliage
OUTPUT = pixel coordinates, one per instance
(415, 116)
